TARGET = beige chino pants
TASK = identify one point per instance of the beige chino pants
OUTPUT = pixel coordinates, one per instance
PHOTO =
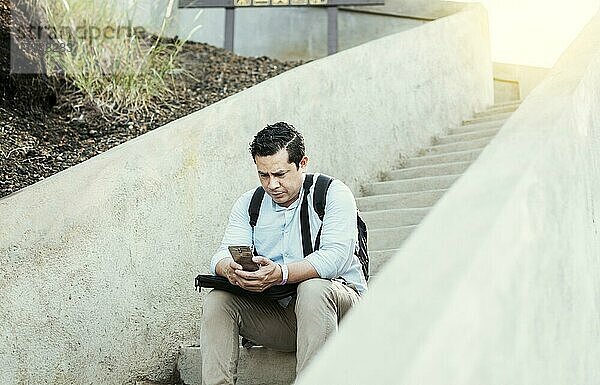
(302, 326)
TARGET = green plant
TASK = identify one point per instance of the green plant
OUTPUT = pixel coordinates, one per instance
(118, 69)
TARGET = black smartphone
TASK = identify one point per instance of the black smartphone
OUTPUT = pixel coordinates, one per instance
(243, 255)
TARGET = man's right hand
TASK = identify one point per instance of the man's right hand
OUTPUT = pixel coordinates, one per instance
(226, 268)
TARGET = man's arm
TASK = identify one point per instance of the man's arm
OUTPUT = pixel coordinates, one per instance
(338, 235)
(270, 274)
(301, 271)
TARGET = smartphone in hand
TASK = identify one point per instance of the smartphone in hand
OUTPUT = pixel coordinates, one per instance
(243, 255)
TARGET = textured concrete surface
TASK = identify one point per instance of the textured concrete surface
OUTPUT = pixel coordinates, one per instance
(97, 262)
(500, 283)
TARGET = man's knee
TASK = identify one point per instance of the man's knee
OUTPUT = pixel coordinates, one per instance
(329, 296)
(314, 287)
(216, 302)
(313, 292)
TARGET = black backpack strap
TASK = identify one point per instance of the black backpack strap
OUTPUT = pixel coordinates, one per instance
(304, 223)
(320, 194)
(254, 208)
(320, 200)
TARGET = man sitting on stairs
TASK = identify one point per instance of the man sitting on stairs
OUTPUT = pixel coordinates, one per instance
(330, 278)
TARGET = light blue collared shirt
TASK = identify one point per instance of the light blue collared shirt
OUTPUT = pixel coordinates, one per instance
(277, 234)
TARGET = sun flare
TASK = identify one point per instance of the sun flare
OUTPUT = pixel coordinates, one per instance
(535, 32)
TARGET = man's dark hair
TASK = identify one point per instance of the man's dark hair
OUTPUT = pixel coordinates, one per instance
(274, 137)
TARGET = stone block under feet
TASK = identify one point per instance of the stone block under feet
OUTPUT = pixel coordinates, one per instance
(257, 366)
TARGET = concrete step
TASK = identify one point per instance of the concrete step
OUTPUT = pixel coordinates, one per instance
(462, 137)
(382, 219)
(504, 115)
(509, 103)
(410, 185)
(391, 238)
(477, 127)
(451, 157)
(497, 110)
(398, 201)
(257, 366)
(428, 170)
(378, 258)
(455, 147)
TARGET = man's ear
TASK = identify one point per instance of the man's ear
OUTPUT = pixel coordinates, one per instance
(303, 163)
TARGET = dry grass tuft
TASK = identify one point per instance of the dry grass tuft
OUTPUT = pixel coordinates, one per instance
(118, 69)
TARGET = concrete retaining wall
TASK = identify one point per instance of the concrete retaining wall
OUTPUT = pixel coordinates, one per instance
(500, 283)
(97, 262)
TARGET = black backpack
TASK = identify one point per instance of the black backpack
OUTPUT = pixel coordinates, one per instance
(319, 201)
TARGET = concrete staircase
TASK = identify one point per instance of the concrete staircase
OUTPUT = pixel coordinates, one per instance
(392, 209)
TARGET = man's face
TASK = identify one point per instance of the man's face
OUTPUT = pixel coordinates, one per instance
(280, 179)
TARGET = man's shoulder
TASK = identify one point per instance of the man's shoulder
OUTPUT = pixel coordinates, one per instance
(248, 194)
(245, 198)
(336, 187)
(335, 183)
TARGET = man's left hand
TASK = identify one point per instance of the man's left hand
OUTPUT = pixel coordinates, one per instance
(268, 274)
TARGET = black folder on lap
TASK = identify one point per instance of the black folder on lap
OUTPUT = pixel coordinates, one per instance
(221, 283)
